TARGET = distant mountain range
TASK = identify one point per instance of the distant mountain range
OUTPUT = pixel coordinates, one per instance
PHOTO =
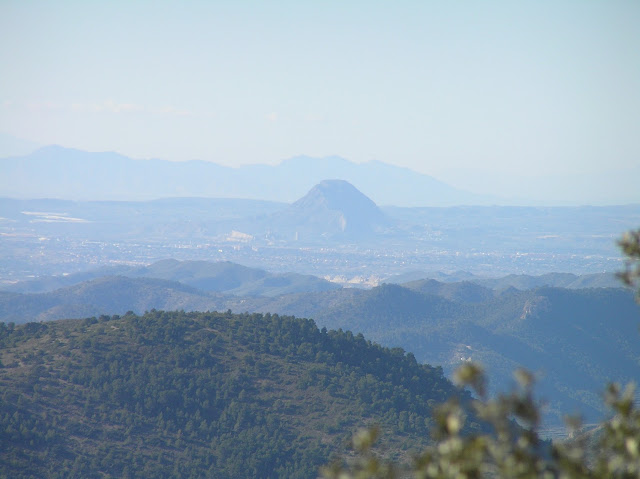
(206, 276)
(522, 282)
(227, 278)
(56, 172)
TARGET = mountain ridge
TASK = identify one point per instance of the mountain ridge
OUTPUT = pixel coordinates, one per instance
(581, 337)
(331, 208)
(209, 276)
(62, 173)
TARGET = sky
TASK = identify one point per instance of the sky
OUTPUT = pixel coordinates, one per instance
(509, 98)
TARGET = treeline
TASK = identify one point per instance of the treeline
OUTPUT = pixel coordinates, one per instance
(174, 394)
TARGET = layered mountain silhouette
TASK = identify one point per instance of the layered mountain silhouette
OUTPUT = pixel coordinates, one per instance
(211, 277)
(577, 340)
(64, 173)
(332, 208)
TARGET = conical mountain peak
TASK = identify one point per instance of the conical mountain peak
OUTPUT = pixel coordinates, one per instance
(336, 195)
(335, 207)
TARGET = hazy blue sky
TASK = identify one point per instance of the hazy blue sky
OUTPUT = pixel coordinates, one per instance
(479, 94)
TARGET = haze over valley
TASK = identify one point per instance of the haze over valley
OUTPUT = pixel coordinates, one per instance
(319, 239)
(507, 286)
(332, 230)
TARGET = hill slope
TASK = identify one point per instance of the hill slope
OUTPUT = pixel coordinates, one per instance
(576, 339)
(108, 294)
(208, 276)
(202, 394)
(331, 208)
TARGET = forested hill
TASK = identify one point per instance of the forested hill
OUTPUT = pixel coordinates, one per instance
(201, 395)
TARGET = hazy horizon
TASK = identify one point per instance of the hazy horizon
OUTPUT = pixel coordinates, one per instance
(533, 100)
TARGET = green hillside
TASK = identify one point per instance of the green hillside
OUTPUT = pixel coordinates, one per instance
(201, 395)
(577, 340)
